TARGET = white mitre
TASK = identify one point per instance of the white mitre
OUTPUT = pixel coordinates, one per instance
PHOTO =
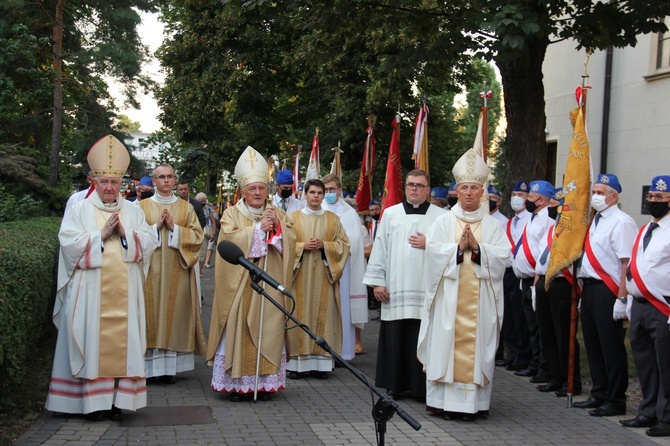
(108, 157)
(471, 168)
(251, 167)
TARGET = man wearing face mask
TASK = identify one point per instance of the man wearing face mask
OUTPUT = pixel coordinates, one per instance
(648, 283)
(554, 307)
(284, 198)
(527, 253)
(452, 195)
(353, 293)
(145, 189)
(607, 249)
(515, 330)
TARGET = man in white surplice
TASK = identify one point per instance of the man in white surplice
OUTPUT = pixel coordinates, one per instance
(466, 256)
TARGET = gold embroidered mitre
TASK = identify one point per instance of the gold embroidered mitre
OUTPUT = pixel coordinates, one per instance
(471, 168)
(251, 167)
(108, 157)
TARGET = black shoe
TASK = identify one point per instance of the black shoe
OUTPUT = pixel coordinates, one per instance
(96, 416)
(591, 403)
(469, 417)
(639, 421)
(516, 366)
(658, 430)
(376, 318)
(542, 378)
(320, 375)
(235, 397)
(265, 396)
(563, 392)
(608, 410)
(168, 379)
(526, 372)
(453, 415)
(545, 388)
(115, 414)
(294, 375)
(500, 363)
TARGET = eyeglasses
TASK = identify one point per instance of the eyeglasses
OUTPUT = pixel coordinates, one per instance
(415, 186)
(330, 190)
(657, 197)
(165, 177)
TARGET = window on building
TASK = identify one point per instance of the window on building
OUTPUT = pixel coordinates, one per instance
(552, 153)
(660, 54)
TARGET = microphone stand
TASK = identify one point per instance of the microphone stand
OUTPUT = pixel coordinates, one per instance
(385, 407)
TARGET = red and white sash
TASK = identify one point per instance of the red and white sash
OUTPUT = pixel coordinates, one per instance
(526, 249)
(565, 271)
(509, 235)
(606, 278)
(658, 301)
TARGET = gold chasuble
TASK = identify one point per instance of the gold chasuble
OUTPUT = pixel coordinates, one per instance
(465, 332)
(236, 307)
(170, 291)
(316, 285)
(113, 305)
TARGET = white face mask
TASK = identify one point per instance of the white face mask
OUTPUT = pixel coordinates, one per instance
(518, 203)
(598, 202)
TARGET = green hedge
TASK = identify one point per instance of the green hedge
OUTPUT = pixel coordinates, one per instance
(28, 266)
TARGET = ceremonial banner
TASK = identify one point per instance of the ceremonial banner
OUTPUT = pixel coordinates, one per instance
(393, 184)
(314, 168)
(573, 224)
(364, 190)
(420, 150)
(296, 172)
(336, 167)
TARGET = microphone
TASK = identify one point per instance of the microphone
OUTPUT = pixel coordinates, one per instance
(232, 254)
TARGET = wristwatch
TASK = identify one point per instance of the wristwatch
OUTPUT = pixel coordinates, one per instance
(623, 299)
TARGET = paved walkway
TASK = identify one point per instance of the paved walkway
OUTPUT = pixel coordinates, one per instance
(336, 411)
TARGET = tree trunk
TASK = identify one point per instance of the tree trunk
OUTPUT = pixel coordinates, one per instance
(526, 146)
(58, 95)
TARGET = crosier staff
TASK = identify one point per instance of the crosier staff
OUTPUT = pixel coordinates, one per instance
(273, 167)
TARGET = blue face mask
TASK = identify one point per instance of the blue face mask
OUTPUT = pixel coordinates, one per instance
(331, 197)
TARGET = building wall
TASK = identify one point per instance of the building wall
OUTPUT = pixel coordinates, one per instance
(639, 132)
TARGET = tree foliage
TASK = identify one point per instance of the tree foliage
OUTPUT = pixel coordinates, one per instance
(100, 42)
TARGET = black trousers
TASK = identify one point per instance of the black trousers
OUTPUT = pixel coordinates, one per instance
(604, 342)
(553, 318)
(537, 361)
(398, 369)
(514, 332)
(650, 344)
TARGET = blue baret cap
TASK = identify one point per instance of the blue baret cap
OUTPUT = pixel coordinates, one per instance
(610, 180)
(494, 190)
(521, 186)
(660, 183)
(542, 187)
(452, 186)
(146, 181)
(439, 192)
(284, 177)
(375, 203)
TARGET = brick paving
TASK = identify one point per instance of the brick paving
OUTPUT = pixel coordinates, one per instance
(337, 411)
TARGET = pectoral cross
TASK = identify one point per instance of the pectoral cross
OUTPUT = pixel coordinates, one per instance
(252, 158)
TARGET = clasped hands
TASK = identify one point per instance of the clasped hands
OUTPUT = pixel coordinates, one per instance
(165, 220)
(270, 221)
(313, 244)
(468, 241)
(112, 226)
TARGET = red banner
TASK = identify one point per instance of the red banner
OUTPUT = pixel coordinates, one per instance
(393, 184)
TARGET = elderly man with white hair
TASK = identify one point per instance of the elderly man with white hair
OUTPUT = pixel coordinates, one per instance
(466, 256)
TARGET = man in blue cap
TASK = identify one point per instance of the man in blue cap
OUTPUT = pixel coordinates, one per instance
(452, 195)
(438, 196)
(607, 249)
(145, 189)
(553, 310)
(284, 198)
(515, 330)
(526, 254)
(648, 284)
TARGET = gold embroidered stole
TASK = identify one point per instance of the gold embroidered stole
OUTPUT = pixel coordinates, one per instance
(465, 329)
(113, 347)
